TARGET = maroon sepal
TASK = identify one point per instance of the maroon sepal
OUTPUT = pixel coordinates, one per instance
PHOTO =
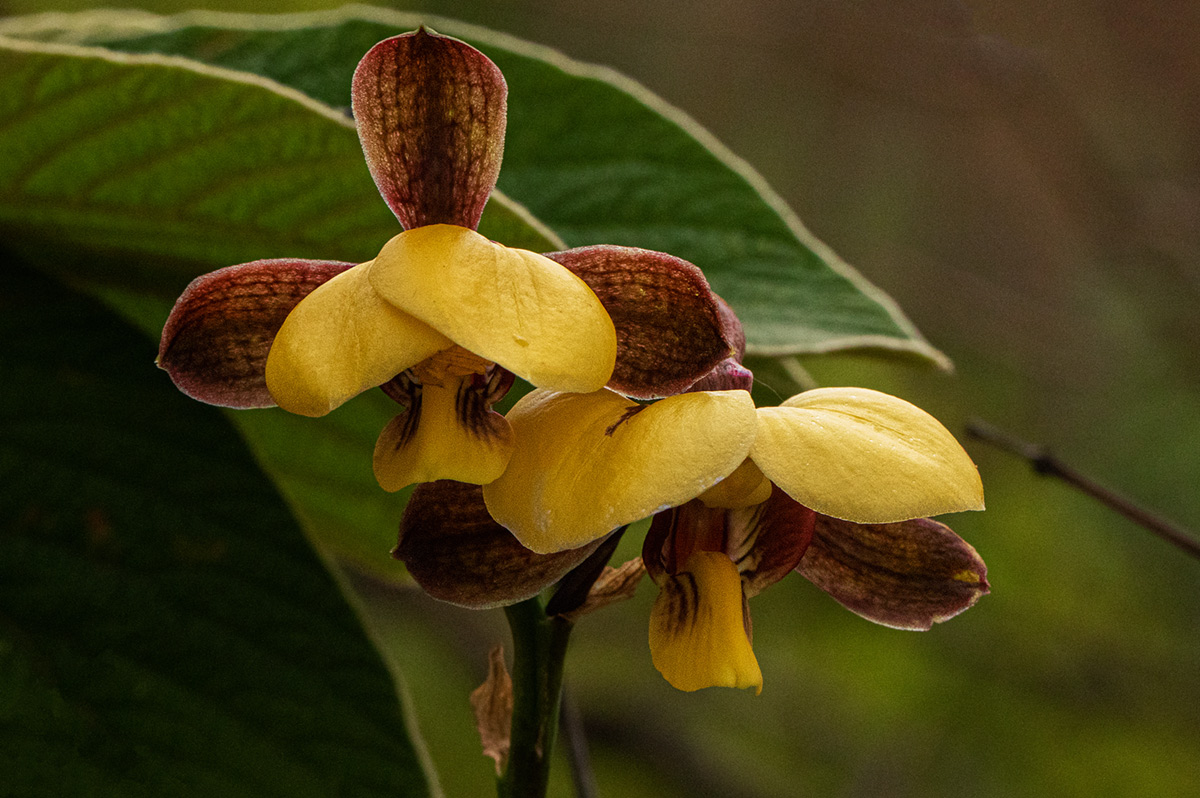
(782, 532)
(765, 541)
(457, 553)
(731, 328)
(215, 342)
(669, 326)
(431, 112)
(907, 575)
(677, 532)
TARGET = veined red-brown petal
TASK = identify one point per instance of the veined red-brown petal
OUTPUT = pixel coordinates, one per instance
(669, 323)
(765, 541)
(729, 374)
(782, 531)
(731, 327)
(677, 532)
(908, 575)
(430, 112)
(215, 342)
(457, 553)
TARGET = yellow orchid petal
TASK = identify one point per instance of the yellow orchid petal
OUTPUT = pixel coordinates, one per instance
(745, 487)
(341, 340)
(511, 306)
(432, 441)
(588, 463)
(698, 626)
(864, 456)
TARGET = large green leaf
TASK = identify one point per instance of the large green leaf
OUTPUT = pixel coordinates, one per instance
(165, 629)
(173, 168)
(133, 174)
(592, 154)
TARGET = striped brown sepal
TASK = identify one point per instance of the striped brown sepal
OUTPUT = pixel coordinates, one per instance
(457, 553)
(215, 342)
(731, 328)
(765, 541)
(669, 324)
(778, 531)
(908, 575)
(678, 531)
(431, 112)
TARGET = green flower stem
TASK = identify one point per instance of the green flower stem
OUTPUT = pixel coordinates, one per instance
(539, 652)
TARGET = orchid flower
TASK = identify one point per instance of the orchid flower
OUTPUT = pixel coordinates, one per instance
(835, 483)
(442, 318)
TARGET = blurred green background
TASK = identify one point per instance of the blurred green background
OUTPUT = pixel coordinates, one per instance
(1025, 180)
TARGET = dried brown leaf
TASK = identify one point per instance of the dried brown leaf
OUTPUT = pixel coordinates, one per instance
(614, 584)
(492, 703)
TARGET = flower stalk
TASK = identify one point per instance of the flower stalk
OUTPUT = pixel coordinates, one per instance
(539, 653)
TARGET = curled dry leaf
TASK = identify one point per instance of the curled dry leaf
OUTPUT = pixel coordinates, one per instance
(614, 584)
(492, 703)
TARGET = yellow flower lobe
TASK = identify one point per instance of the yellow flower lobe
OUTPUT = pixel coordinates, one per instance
(698, 629)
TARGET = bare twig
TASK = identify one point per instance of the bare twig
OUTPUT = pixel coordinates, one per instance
(571, 726)
(1045, 463)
